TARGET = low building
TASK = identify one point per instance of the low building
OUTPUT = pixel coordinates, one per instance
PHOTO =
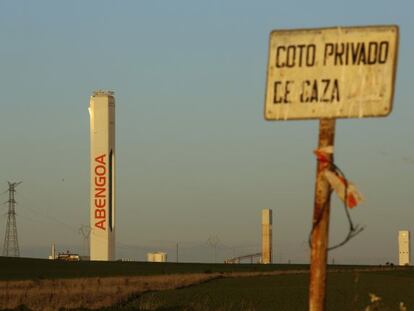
(68, 256)
(157, 257)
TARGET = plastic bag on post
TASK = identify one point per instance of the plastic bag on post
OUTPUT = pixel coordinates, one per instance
(344, 189)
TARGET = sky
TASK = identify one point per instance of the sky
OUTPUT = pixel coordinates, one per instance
(195, 157)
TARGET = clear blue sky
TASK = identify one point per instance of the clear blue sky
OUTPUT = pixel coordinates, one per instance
(195, 157)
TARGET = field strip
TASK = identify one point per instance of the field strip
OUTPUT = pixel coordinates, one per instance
(96, 292)
(305, 271)
(89, 292)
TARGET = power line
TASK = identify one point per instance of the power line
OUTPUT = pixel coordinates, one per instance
(213, 241)
(11, 244)
(85, 231)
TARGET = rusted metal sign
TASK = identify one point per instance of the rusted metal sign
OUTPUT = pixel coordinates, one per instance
(341, 72)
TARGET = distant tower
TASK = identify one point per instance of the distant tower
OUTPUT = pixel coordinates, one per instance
(102, 197)
(404, 247)
(267, 252)
(11, 243)
(53, 251)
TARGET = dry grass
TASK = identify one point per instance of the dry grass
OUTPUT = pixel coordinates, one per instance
(89, 292)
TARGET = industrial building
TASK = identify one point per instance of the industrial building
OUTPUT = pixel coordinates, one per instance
(157, 257)
(267, 221)
(404, 247)
(102, 172)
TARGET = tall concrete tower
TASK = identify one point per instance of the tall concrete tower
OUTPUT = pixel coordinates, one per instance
(404, 247)
(267, 236)
(102, 196)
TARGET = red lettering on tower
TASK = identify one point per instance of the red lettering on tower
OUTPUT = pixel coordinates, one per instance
(100, 192)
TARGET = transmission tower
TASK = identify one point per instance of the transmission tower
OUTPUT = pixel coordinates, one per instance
(11, 244)
(85, 231)
(213, 241)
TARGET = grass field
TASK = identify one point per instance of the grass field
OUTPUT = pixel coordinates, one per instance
(169, 286)
(92, 293)
(28, 268)
(346, 291)
(31, 268)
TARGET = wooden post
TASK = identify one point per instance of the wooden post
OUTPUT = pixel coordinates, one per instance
(320, 224)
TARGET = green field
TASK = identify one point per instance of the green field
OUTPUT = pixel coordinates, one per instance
(30, 268)
(346, 291)
(348, 286)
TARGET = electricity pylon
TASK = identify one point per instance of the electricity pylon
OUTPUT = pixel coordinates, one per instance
(11, 243)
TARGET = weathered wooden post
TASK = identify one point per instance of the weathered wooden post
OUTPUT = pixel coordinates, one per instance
(320, 224)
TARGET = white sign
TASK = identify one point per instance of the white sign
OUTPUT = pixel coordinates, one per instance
(342, 72)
